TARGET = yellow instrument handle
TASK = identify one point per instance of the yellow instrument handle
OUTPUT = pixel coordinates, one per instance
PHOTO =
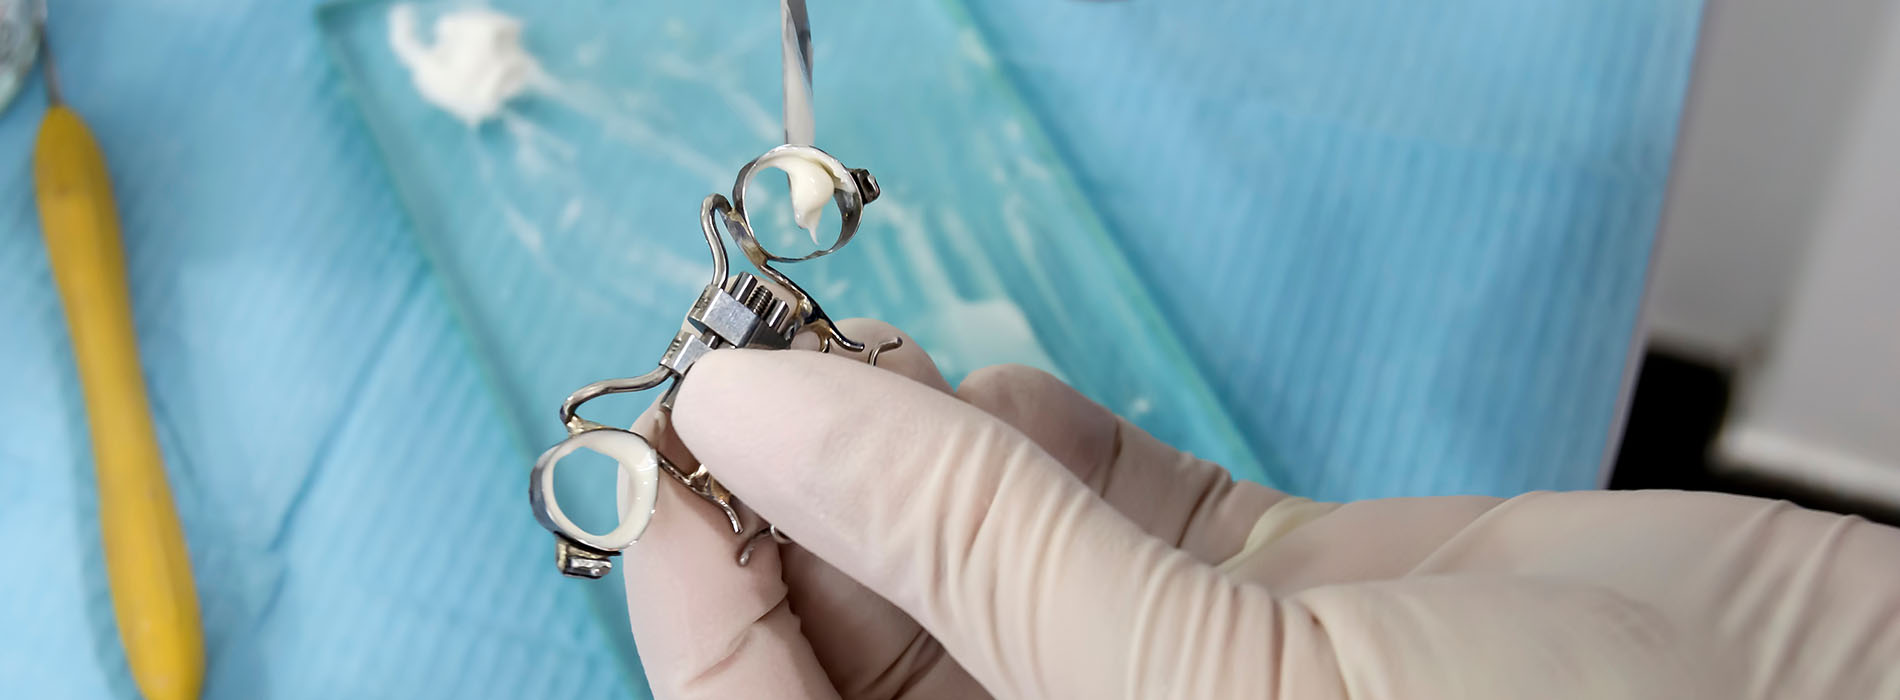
(146, 562)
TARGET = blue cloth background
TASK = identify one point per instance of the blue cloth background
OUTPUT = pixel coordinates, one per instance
(1411, 237)
(1428, 223)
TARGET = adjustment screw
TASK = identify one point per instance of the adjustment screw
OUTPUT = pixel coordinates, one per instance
(867, 185)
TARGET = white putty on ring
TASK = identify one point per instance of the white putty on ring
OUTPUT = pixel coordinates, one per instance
(812, 182)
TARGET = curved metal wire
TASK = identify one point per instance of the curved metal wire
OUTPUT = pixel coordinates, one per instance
(711, 209)
(745, 553)
(570, 408)
(825, 343)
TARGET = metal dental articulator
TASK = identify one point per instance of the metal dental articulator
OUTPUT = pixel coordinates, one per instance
(732, 311)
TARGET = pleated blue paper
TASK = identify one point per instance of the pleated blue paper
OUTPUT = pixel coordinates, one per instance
(1406, 240)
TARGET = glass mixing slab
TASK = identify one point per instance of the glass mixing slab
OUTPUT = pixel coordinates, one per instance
(567, 228)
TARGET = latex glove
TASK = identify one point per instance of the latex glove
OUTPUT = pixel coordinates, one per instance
(1053, 550)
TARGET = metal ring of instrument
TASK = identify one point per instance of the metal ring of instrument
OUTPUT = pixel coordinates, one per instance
(852, 189)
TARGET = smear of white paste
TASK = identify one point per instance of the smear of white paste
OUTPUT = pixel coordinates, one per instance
(475, 65)
(964, 334)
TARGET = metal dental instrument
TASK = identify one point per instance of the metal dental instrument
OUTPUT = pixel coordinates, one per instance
(733, 310)
(795, 41)
(147, 562)
(738, 311)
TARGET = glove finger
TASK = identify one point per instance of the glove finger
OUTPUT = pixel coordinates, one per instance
(707, 628)
(1034, 585)
(869, 647)
(1191, 503)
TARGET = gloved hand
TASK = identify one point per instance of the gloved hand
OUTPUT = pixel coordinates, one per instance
(1016, 539)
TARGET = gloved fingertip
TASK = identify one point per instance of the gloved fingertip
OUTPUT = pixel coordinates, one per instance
(723, 382)
(739, 408)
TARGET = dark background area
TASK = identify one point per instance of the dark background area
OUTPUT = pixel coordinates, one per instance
(1675, 415)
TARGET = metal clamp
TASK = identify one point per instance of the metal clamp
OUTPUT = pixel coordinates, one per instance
(731, 311)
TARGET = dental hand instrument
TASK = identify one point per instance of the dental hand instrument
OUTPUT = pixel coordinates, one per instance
(147, 565)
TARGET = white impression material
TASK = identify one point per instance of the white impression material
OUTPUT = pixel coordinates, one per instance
(475, 65)
(812, 183)
(640, 486)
